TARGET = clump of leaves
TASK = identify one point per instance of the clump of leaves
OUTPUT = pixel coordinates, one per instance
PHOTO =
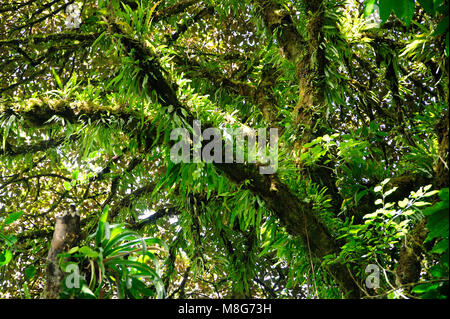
(380, 236)
(437, 224)
(119, 261)
(9, 240)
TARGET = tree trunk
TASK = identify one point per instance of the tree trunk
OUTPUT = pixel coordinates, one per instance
(65, 236)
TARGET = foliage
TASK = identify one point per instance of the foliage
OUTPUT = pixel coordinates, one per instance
(115, 258)
(358, 91)
(437, 224)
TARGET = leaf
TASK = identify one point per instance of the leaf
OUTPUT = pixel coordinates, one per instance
(407, 11)
(442, 26)
(67, 185)
(5, 257)
(377, 189)
(99, 38)
(73, 250)
(444, 195)
(425, 287)
(88, 251)
(421, 203)
(437, 224)
(75, 174)
(7, 127)
(360, 195)
(93, 155)
(26, 291)
(408, 212)
(30, 271)
(369, 7)
(11, 240)
(386, 7)
(447, 44)
(103, 227)
(440, 247)
(428, 6)
(431, 193)
(389, 192)
(403, 203)
(85, 290)
(126, 234)
(57, 78)
(150, 13)
(13, 217)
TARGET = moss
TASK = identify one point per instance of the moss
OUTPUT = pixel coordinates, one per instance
(32, 103)
(409, 264)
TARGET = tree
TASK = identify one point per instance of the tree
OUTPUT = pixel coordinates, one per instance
(92, 92)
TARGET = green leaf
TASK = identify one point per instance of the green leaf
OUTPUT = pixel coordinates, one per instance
(57, 78)
(26, 291)
(30, 271)
(369, 6)
(386, 7)
(403, 203)
(93, 155)
(99, 38)
(88, 251)
(5, 257)
(440, 247)
(389, 192)
(75, 174)
(13, 217)
(428, 6)
(421, 203)
(425, 287)
(438, 225)
(442, 26)
(126, 234)
(438, 271)
(103, 227)
(73, 250)
(145, 269)
(313, 142)
(447, 44)
(435, 208)
(85, 290)
(431, 193)
(407, 11)
(409, 212)
(67, 185)
(10, 240)
(444, 195)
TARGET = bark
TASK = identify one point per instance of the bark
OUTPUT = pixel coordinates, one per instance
(300, 51)
(65, 236)
(442, 169)
(297, 216)
(409, 264)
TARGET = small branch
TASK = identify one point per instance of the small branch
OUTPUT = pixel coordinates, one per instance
(407, 285)
(182, 285)
(55, 37)
(31, 23)
(26, 179)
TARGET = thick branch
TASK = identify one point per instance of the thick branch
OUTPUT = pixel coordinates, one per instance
(66, 235)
